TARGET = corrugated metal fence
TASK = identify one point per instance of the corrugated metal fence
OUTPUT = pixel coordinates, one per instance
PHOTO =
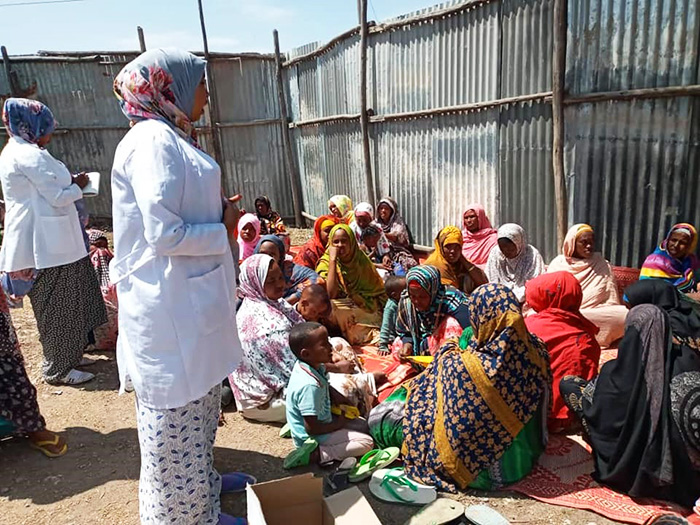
(444, 129)
(78, 89)
(632, 166)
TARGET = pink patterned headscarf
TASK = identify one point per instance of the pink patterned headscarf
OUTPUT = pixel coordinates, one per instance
(160, 84)
(478, 245)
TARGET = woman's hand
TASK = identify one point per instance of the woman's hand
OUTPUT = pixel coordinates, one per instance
(231, 213)
(333, 254)
(81, 180)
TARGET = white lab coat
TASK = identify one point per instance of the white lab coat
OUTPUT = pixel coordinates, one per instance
(173, 268)
(42, 229)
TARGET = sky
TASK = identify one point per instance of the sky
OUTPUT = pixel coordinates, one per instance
(232, 25)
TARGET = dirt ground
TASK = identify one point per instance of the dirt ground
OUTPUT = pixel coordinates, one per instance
(97, 481)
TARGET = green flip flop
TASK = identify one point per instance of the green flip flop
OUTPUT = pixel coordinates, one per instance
(392, 485)
(286, 431)
(439, 512)
(373, 460)
(301, 457)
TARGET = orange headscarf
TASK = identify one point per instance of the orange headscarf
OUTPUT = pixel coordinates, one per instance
(452, 274)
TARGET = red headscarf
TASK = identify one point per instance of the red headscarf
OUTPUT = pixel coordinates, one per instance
(478, 245)
(310, 253)
(570, 337)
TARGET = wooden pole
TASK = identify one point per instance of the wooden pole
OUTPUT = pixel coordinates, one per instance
(213, 100)
(364, 119)
(142, 39)
(11, 79)
(558, 73)
(292, 172)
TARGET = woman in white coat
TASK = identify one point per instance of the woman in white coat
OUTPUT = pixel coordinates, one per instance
(176, 286)
(43, 237)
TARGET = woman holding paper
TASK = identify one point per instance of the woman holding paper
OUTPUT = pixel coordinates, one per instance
(43, 233)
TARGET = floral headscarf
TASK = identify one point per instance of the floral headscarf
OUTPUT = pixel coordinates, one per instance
(27, 119)
(160, 84)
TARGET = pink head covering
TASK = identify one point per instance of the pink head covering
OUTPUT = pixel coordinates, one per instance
(246, 249)
(478, 245)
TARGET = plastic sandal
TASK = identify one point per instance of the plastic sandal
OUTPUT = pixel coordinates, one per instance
(372, 461)
(41, 447)
(286, 431)
(484, 515)
(236, 482)
(75, 377)
(301, 456)
(439, 512)
(393, 486)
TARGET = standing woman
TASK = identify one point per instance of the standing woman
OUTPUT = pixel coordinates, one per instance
(43, 232)
(176, 285)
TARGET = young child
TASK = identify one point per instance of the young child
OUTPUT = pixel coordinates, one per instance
(394, 286)
(319, 436)
(100, 257)
(314, 304)
(393, 259)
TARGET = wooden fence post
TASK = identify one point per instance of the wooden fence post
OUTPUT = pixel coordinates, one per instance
(213, 100)
(364, 119)
(142, 39)
(11, 77)
(292, 172)
(558, 86)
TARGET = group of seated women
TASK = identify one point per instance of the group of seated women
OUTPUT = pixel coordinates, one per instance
(477, 415)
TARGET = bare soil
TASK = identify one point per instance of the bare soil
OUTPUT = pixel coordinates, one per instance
(97, 481)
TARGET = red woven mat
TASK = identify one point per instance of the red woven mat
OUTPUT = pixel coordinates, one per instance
(563, 477)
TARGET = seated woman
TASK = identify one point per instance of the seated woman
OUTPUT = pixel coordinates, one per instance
(675, 260)
(473, 418)
(248, 235)
(296, 277)
(341, 207)
(430, 313)
(454, 269)
(570, 337)
(479, 237)
(270, 221)
(640, 414)
(310, 253)
(392, 259)
(394, 228)
(514, 262)
(601, 303)
(354, 285)
(264, 322)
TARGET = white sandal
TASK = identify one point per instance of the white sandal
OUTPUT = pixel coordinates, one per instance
(76, 377)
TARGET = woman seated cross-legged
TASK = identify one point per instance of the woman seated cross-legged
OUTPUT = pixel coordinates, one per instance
(354, 286)
(429, 313)
(455, 269)
(601, 302)
(474, 417)
(640, 415)
(264, 322)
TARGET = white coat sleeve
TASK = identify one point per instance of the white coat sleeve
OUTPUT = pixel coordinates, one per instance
(49, 177)
(157, 176)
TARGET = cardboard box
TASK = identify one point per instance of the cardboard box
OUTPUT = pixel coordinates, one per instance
(299, 501)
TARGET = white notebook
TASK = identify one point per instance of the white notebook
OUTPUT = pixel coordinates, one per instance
(93, 187)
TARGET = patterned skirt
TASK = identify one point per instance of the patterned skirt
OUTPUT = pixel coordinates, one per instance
(68, 305)
(19, 410)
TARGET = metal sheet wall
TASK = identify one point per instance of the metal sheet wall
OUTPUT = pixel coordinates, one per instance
(632, 166)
